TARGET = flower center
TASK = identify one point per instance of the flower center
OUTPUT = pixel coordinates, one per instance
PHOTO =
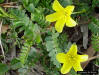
(71, 58)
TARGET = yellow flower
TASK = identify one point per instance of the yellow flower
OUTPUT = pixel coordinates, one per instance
(61, 16)
(71, 59)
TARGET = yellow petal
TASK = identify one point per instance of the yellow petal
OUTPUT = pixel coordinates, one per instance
(59, 25)
(82, 58)
(77, 66)
(57, 7)
(70, 22)
(69, 9)
(73, 49)
(66, 68)
(53, 17)
(61, 57)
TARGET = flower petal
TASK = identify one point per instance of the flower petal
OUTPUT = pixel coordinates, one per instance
(53, 17)
(61, 57)
(66, 68)
(82, 58)
(56, 6)
(77, 66)
(60, 24)
(69, 9)
(73, 49)
(70, 22)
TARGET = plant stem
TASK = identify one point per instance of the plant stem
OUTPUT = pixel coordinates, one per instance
(4, 14)
(82, 11)
(94, 57)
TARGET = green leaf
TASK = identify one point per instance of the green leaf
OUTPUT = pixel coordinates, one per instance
(95, 3)
(31, 31)
(33, 57)
(1, 1)
(39, 18)
(35, 2)
(23, 70)
(66, 2)
(28, 5)
(95, 42)
(94, 25)
(16, 64)
(38, 38)
(72, 72)
(97, 62)
(24, 52)
(63, 41)
(25, 2)
(53, 47)
(3, 68)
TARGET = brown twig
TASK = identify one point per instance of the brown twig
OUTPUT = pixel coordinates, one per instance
(94, 57)
(9, 5)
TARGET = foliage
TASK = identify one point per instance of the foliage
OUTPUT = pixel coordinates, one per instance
(29, 5)
(39, 17)
(94, 26)
(33, 57)
(66, 2)
(1, 1)
(3, 68)
(97, 62)
(63, 41)
(73, 72)
(35, 39)
(24, 52)
(95, 42)
(25, 24)
(52, 47)
(95, 3)
(15, 64)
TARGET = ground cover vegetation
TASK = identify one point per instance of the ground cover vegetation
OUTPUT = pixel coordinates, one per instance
(42, 37)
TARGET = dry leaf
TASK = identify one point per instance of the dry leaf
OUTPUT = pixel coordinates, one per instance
(90, 52)
(4, 28)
